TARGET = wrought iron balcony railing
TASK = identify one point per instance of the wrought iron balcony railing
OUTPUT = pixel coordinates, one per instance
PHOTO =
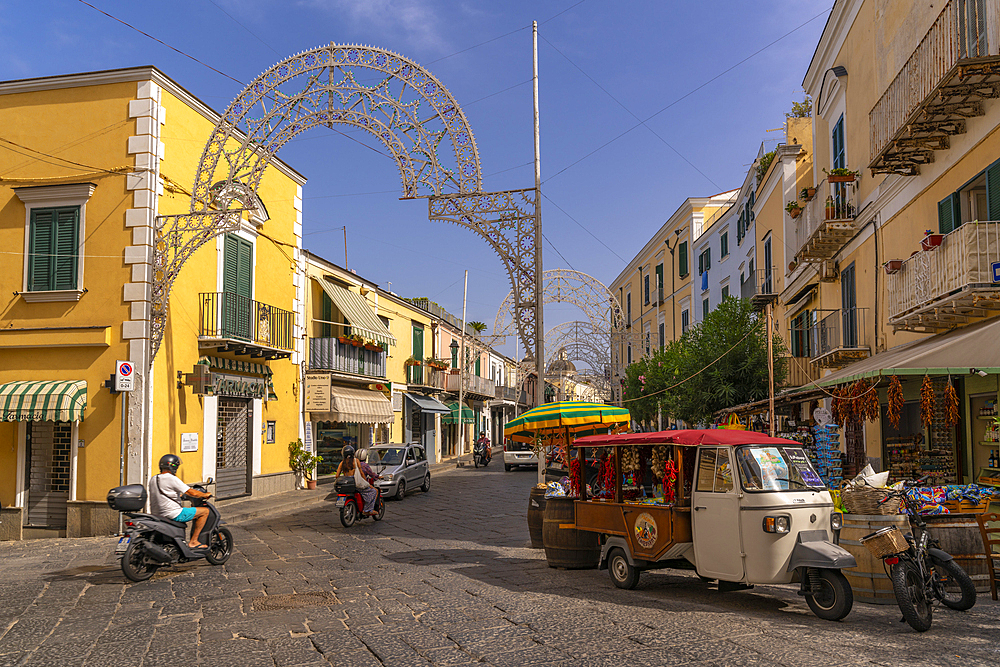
(472, 384)
(826, 223)
(329, 354)
(761, 286)
(945, 287)
(943, 82)
(257, 327)
(839, 338)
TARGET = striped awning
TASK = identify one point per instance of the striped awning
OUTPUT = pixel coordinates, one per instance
(358, 312)
(356, 406)
(43, 401)
(467, 415)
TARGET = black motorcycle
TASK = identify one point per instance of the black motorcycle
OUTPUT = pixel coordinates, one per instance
(481, 454)
(151, 542)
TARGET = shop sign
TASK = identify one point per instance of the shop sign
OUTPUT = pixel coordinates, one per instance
(996, 272)
(189, 442)
(822, 416)
(645, 531)
(239, 385)
(318, 393)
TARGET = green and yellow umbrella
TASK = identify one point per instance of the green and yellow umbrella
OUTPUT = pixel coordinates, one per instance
(572, 418)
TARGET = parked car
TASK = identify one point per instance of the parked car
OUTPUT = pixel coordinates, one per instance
(401, 467)
(517, 454)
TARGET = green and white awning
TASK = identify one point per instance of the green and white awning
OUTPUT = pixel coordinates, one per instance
(467, 415)
(358, 312)
(41, 401)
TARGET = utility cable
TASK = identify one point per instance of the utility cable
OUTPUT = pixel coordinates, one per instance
(56, 157)
(582, 227)
(551, 245)
(235, 20)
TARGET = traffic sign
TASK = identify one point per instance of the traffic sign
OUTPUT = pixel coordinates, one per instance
(124, 376)
(996, 272)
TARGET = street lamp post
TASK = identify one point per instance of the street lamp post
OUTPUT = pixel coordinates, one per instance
(673, 274)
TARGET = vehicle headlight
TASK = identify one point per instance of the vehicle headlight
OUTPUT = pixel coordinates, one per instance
(836, 520)
(387, 476)
(777, 524)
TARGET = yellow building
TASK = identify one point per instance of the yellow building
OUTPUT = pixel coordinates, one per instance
(79, 200)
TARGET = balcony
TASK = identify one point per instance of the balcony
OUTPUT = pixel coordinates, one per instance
(827, 222)
(801, 371)
(423, 375)
(953, 69)
(511, 394)
(472, 384)
(233, 323)
(329, 354)
(761, 287)
(839, 338)
(945, 287)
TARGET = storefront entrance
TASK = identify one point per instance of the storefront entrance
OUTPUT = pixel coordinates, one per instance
(47, 470)
(232, 449)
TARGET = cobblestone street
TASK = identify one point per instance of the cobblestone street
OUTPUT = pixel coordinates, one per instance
(445, 579)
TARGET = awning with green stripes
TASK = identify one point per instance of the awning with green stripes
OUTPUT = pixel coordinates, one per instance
(467, 416)
(358, 312)
(40, 401)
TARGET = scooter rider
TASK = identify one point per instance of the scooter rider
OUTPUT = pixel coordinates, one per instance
(166, 491)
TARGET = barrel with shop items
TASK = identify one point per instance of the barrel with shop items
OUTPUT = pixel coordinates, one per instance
(536, 514)
(869, 579)
(565, 546)
(958, 535)
(128, 498)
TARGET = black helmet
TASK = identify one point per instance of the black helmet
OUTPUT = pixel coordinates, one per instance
(170, 462)
(347, 452)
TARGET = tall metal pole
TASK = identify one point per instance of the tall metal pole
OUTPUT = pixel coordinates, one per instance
(539, 319)
(345, 246)
(770, 370)
(461, 375)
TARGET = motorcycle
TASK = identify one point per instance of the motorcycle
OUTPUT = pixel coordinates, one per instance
(481, 455)
(151, 542)
(349, 502)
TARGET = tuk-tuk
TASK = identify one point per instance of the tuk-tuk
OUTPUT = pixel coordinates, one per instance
(742, 507)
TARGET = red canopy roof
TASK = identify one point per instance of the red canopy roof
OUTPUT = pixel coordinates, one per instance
(687, 437)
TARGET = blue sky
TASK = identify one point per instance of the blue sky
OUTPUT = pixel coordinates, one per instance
(601, 65)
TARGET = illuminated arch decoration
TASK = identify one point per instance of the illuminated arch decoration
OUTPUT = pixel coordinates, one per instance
(406, 109)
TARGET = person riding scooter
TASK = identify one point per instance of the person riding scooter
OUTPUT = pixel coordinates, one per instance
(166, 491)
(482, 450)
(351, 467)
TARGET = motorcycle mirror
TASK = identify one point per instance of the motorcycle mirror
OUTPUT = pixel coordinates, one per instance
(209, 480)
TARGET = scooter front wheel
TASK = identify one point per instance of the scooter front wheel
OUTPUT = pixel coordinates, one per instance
(379, 509)
(135, 565)
(348, 514)
(221, 548)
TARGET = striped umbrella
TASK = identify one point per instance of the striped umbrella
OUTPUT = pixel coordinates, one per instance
(573, 418)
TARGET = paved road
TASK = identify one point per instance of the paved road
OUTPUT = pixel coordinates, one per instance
(445, 579)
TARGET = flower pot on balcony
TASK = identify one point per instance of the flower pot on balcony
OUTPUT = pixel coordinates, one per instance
(893, 265)
(810, 193)
(792, 266)
(372, 347)
(931, 241)
(795, 212)
(846, 178)
(345, 340)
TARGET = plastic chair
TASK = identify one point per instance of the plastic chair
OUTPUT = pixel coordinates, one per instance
(989, 528)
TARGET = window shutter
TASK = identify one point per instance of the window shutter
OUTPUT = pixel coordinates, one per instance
(946, 214)
(41, 250)
(993, 191)
(244, 274)
(682, 262)
(708, 258)
(67, 225)
(230, 261)
(701, 264)
(659, 276)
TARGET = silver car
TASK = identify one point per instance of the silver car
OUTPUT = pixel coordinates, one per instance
(401, 467)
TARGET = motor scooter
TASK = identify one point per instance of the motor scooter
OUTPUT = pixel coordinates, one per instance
(151, 542)
(349, 502)
(481, 454)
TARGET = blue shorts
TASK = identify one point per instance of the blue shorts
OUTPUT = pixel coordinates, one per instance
(186, 515)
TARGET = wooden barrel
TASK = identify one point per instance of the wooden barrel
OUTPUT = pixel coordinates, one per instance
(869, 580)
(959, 535)
(536, 511)
(567, 547)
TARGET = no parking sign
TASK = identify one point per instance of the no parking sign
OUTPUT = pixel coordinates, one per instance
(124, 376)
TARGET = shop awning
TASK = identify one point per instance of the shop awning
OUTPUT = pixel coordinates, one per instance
(467, 416)
(41, 401)
(955, 353)
(428, 404)
(358, 312)
(356, 406)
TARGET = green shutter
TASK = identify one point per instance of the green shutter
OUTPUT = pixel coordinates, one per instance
(52, 249)
(478, 373)
(67, 226)
(682, 261)
(230, 256)
(659, 276)
(41, 250)
(725, 244)
(993, 191)
(947, 220)
(237, 271)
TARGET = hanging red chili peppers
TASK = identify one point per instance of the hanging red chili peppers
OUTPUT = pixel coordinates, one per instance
(669, 481)
(574, 477)
(927, 401)
(950, 404)
(869, 402)
(894, 407)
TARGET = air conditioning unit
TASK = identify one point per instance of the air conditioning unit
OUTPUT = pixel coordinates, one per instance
(829, 271)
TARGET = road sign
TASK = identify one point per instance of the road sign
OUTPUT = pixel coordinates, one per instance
(124, 376)
(996, 272)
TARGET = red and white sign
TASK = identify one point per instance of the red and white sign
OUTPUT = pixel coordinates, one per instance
(124, 376)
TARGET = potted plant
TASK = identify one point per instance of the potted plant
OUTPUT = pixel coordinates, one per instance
(412, 361)
(357, 340)
(372, 345)
(808, 193)
(841, 175)
(893, 265)
(930, 240)
(302, 462)
(344, 340)
(792, 265)
(794, 208)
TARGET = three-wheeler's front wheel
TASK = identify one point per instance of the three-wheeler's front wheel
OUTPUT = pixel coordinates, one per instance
(622, 573)
(834, 598)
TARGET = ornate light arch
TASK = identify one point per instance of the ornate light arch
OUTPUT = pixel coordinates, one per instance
(403, 106)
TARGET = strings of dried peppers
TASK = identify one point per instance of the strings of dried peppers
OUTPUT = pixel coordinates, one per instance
(574, 477)
(894, 409)
(869, 408)
(669, 481)
(950, 404)
(927, 401)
